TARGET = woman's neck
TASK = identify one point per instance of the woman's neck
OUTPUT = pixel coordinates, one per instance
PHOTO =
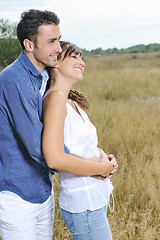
(65, 88)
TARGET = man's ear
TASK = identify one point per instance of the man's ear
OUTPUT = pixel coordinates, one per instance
(29, 46)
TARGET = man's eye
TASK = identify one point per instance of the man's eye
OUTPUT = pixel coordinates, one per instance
(73, 56)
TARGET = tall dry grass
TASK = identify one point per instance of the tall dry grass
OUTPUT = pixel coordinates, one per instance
(124, 96)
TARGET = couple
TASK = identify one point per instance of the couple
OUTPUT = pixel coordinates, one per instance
(68, 140)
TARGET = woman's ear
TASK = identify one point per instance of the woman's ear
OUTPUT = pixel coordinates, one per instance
(29, 46)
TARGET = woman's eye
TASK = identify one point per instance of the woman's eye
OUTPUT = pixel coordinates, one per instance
(73, 56)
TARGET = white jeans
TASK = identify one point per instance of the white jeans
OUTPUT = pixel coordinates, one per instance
(20, 219)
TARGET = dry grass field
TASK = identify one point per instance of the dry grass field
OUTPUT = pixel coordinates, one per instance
(124, 96)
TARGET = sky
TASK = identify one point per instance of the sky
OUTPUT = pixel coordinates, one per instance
(91, 24)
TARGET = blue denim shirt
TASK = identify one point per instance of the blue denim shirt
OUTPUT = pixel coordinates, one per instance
(23, 169)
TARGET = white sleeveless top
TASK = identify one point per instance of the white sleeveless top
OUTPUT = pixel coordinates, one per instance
(80, 193)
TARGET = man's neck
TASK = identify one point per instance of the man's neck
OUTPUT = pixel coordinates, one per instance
(37, 65)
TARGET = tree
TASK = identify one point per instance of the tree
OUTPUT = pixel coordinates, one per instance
(7, 30)
(96, 51)
(9, 44)
(153, 47)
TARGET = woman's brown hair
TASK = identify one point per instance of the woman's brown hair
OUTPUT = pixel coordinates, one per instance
(70, 48)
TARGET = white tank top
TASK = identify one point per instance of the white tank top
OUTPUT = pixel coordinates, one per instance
(80, 193)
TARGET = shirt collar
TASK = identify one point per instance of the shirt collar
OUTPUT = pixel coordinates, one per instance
(45, 76)
(28, 65)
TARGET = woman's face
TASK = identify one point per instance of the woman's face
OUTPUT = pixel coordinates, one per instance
(72, 66)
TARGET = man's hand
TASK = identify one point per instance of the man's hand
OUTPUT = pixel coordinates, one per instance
(99, 177)
(115, 165)
(111, 164)
(110, 158)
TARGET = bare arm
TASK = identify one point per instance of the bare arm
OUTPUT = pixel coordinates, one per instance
(54, 106)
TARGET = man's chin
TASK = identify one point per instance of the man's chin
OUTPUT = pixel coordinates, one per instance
(53, 63)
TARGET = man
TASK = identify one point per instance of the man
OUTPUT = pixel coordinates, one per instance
(26, 202)
(26, 198)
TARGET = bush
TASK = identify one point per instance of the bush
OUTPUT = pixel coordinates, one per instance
(9, 50)
(9, 45)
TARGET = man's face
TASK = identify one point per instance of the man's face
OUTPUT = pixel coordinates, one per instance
(47, 46)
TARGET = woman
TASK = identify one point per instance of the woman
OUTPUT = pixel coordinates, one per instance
(83, 199)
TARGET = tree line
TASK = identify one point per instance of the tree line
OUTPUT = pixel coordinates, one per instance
(10, 47)
(141, 48)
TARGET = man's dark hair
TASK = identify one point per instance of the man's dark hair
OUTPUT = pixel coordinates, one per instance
(30, 21)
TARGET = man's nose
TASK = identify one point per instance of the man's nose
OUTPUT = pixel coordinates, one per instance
(58, 47)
